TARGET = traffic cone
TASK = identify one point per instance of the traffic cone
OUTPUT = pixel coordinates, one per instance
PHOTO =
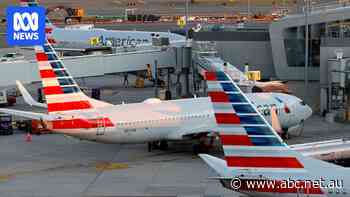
(28, 137)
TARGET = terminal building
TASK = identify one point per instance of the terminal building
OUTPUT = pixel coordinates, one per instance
(278, 50)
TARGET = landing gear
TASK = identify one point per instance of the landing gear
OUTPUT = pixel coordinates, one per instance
(161, 145)
(155, 145)
(202, 146)
(150, 146)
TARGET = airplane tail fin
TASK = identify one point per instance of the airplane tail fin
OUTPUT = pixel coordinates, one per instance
(61, 91)
(248, 140)
(252, 148)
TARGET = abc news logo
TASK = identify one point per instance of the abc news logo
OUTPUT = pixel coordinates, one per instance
(29, 29)
(25, 26)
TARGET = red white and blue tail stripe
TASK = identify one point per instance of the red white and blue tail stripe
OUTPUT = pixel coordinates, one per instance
(64, 97)
(61, 91)
(249, 142)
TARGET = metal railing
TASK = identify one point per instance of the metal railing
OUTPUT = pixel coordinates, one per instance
(329, 5)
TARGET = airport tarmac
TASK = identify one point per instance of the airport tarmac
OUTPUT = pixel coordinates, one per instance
(55, 165)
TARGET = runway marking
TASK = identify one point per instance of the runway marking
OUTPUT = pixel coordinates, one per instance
(107, 166)
(4, 178)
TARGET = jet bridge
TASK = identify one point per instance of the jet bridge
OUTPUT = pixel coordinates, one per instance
(89, 65)
(206, 58)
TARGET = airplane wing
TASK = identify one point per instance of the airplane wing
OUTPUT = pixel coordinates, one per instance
(27, 97)
(30, 115)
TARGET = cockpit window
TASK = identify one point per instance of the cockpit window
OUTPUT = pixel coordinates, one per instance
(302, 103)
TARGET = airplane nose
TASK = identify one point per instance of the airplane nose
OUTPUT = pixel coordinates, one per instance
(307, 112)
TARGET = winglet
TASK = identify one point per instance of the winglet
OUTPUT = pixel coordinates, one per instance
(27, 97)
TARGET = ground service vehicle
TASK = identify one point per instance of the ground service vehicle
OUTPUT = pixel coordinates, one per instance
(6, 124)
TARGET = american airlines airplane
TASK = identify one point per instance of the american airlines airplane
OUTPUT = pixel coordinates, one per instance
(256, 160)
(117, 38)
(73, 113)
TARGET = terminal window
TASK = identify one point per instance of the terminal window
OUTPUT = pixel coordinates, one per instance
(294, 43)
(295, 52)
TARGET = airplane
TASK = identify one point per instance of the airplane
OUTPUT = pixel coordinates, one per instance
(117, 38)
(72, 113)
(265, 103)
(332, 150)
(256, 160)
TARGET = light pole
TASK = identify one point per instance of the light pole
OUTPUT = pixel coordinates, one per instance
(248, 9)
(306, 72)
(186, 15)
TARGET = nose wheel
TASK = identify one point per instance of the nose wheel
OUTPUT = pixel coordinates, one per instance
(163, 145)
(285, 134)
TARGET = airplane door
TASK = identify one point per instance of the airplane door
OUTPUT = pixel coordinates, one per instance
(101, 126)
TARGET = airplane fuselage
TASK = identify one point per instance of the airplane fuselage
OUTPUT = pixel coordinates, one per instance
(155, 120)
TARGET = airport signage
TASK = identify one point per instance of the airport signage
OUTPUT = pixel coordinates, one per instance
(25, 26)
(181, 22)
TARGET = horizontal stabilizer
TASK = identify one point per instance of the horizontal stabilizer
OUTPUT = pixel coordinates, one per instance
(218, 165)
(29, 115)
(27, 97)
